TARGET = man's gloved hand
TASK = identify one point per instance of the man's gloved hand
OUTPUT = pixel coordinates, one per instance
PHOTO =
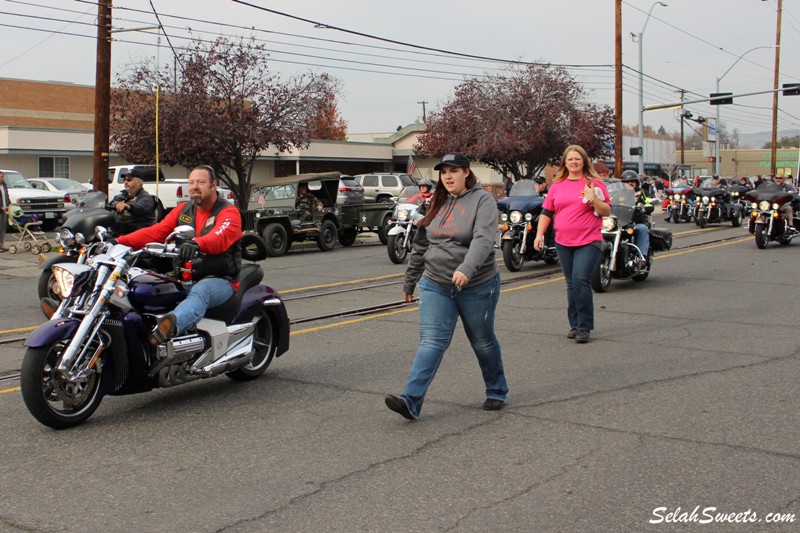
(188, 250)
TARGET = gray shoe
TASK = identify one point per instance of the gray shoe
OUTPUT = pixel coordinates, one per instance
(572, 333)
(582, 337)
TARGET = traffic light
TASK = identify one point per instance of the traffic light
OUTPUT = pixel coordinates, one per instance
(712, 159)
(721, 98)
(791, 89)
(636, 150)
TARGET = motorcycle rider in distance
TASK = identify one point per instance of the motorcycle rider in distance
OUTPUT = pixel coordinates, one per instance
(641, 234)
(213, 257)
(541, 186)
(786, 209)
(134, 208)
(424, 195)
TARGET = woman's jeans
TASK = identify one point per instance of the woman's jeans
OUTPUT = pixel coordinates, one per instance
(578, 263)
(205, 294)
(439, 310)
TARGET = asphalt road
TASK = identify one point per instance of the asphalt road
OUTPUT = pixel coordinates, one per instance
(686, 400)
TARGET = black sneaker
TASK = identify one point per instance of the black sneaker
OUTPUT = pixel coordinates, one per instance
(582, 337)
(398, 405)
(572, 333)
(493, 404)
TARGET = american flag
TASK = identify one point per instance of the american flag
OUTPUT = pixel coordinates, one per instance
(411, 165)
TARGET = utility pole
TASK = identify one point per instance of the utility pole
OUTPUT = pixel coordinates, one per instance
(423, 110)
(102, 96)
(773, 166)
(618, 91)
(683, 93)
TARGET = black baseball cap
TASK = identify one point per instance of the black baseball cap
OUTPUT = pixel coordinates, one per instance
(539, 180)
(133, 173)
(453, 159)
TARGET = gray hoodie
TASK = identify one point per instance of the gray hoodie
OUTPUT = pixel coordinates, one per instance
(460, 237)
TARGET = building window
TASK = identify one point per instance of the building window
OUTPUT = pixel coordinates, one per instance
(54, 167)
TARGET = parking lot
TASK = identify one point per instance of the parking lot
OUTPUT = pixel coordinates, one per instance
(683, 407)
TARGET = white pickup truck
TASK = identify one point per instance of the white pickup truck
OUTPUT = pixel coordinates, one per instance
(169, 192)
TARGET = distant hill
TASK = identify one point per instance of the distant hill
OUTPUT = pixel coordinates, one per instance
(758, 140)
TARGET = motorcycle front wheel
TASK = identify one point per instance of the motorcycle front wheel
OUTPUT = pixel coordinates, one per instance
(52, 400)
(601, 277)
(760, 233)
(264, 347)
(643, 275)
(676, 216)
(702, 221)
(512, 258)
(396, 249)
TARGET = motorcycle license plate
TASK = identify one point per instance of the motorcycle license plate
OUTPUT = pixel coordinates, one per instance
(49, 215)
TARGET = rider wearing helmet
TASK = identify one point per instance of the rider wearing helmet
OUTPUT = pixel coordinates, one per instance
(425, 192)
(641, 234)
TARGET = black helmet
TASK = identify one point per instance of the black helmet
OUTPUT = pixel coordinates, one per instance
(425, 182)
(629, 175)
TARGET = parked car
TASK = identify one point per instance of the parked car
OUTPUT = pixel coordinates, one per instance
(350, 192)
(382, 187)
(47, 206)
(73, 191)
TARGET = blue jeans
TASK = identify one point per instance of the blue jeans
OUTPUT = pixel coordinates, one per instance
(439, 309)
(205, 294)
(578, 263)
(641, 237)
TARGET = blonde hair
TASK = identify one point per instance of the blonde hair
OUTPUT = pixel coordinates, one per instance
(588, 170)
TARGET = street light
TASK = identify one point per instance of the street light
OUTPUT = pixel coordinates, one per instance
(717, 125)
(641, 86)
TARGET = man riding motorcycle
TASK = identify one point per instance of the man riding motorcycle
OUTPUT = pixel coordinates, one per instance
(786, 209)
(212, 260)
(424, 195)
(641, 234)
(134, 208)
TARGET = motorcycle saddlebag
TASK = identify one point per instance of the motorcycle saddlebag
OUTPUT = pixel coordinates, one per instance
(660, 239)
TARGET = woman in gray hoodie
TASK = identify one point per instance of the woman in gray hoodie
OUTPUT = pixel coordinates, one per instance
(454, 263)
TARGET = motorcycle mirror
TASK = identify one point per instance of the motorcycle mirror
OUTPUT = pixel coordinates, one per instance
(185, 231)
(101, 232)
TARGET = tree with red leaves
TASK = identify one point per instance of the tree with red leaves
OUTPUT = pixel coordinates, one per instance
(519, 121)
(223, 110)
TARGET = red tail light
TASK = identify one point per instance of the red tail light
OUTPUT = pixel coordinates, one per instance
(179, 192)
(67, 199)
(345, 189)
(230, 195)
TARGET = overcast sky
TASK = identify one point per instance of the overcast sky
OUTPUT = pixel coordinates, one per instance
(687, 45)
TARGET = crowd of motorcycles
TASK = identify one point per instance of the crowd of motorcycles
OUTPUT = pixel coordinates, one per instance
(102, 298)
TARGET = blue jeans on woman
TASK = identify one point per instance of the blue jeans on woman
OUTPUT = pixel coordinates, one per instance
(439, 309)
(205, 294)
(578, 263)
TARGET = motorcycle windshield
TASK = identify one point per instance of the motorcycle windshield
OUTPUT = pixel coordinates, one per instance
(623, 201)
(524, 188)
(93, 199)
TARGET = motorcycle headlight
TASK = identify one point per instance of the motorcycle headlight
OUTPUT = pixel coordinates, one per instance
(70, 277)
(503, 217)
(528, 217)
(676, 197)
(763, 205)
(609, 223)
(402, 215)
(735, 193)
(516, 217)
(66, 238)
(705, 199)
(775, 206)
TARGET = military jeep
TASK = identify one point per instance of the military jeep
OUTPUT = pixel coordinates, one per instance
(274, 214)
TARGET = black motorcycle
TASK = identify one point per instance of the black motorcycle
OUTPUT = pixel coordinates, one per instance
(714, 206)
(767, 222)
(520, 212)
(621, 258)
(681, 204)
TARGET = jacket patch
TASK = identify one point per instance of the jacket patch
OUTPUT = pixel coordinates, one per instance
(185, 218)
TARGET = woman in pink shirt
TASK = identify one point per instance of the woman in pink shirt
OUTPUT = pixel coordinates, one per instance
(577, 213)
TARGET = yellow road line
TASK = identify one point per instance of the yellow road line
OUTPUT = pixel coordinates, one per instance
(6, 391)
(18, 330)
(340, 283)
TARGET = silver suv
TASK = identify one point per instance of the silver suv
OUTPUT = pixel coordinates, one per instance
(381, 187)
